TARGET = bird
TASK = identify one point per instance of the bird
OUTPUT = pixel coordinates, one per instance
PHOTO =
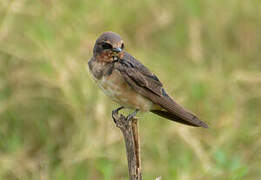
(132, 85)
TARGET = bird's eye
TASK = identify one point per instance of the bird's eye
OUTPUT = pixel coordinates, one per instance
(106, 46)
(122, 46)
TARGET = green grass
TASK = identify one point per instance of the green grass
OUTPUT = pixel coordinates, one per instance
(56, 124)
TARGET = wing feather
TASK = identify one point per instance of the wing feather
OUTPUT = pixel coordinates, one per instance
(148, 85)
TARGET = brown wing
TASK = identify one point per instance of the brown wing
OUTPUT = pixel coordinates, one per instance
(149, 86)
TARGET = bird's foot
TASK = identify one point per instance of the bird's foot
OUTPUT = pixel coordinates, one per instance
(131, 116)
(114, 113)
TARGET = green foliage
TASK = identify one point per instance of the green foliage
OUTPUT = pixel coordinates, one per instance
(56, 124)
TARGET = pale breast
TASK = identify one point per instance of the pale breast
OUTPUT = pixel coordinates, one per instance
(116, 87)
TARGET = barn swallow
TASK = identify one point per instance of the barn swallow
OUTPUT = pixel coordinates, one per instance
(131, 84)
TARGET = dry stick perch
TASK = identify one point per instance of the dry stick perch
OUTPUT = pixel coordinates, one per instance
(129, 129)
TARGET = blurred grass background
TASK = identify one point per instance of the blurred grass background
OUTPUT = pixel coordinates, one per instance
(56, 124)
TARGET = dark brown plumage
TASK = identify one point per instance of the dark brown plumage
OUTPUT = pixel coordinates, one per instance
(124, 78)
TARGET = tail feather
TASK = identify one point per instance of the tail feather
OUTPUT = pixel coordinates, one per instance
(176, 118)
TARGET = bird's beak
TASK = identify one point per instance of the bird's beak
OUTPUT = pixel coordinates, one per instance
(117, 50)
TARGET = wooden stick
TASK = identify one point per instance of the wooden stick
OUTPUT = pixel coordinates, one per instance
(129, 129)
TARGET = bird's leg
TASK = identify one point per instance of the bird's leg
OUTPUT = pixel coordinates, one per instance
(130, 116)
(115, 112)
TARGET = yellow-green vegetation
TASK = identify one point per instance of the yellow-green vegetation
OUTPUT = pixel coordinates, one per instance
(56, 124)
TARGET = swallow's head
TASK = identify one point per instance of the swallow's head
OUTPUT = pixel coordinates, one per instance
(109, 47)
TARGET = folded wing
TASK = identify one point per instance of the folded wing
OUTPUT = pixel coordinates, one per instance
(149, 86)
